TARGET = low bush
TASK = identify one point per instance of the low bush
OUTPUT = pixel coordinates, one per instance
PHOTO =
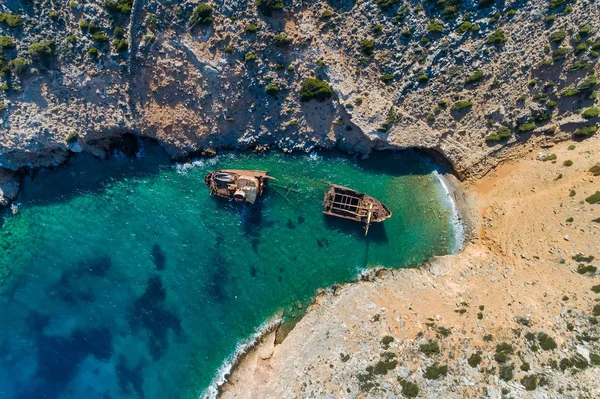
(422, 78)
(100, 37)
(474, 360)
(268, 6)
(314, 88)
(281, 40)
(250, 57)
(506, 372)
(201, 15)
(435, 26)
(436, 371)
(591, 113)
(18, 65)
(546, 342)
(409, 389)
(503, 133)
(594, 198)
(386, 77)
(588, 83)
(583, 269)
(583, 258)
(93, 52)
(475, 77)
(585, 131)
(385, 4)
(558, 36)
(497, 38)
(596, 309)
(464, 27)
(250, 28)
(6, 42)
(123, 6)
(569, 92)
(326, 14)
(461, 105)
(430, 348)
(366, 46)
(530, 382)
(568, 163)
(120, 45)
(272, 89)
(10, 20)
(559, 54)
(41, 49)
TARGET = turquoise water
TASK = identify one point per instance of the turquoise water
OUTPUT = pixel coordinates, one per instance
(124, 279)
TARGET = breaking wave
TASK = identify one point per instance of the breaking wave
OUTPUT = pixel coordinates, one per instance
(457, 223)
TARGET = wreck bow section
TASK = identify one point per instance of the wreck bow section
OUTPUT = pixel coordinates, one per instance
(238, 185)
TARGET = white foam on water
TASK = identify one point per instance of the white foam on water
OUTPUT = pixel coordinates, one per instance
(457, 223)
(241, 349)
(314, 156)
(184, 168)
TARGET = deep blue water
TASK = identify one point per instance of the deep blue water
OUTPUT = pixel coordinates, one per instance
(124, 279)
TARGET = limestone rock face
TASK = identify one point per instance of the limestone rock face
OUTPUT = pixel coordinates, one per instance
(9, 187)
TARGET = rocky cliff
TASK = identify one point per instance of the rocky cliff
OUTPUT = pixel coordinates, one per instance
(443, 75)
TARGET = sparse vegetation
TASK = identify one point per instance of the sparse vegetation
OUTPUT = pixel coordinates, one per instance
(430, 348)
(41, 49)
(503, 133)
(268, 6)
(475, 77)
(366, 46)
(474, 360)
(10, 20)
(585, 131)
(436, 371)
(497, 38)
(123, 6)
(281, 40)
(591, 113)
(461, 105)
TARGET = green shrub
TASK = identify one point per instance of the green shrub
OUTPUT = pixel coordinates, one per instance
(41, 49)
(10, 20)
(250, 28)
(120, 45)
(585, 131)
(504, 347)
(366, 46)
(83, 24)
(436, 371)
(123, 6)
(281, 40)
(581, 48)
(71, 137)
(93, 52)
(384, 4)
(268, 6)
(119, 32)
(93, 27)
(485, 3)
(500, 357)
(464, 27)
(583, 269)
(525, 367)
(549, 19)
(526, 127)
(314, 88)
(475, 77)
(386, 77)
(461, 105)
(201, 15)
(406, 33)
(386, 341)
(594, 198)
(558, 36)
(595, 359)
(377, 29)
(506, 372)
(422, 78)
(579, 65)
(588, 83)
(497, 38)
(272, 89)
(409, 389)
(568, 163)
(557, 3)
(391, 118)
(582, 258)
(100, 37)
(559, 54)
(6, 42)
(326, 14)
(546, 342)
(530, 382)
(596, 309)
(474, 360)
(435, 26)
(250, 57)
(18, 65)
(430, 348)
(591, 113)
(569, 92)
(503, 133)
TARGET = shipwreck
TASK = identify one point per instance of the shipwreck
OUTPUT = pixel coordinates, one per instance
(237, 185)
(350, 204)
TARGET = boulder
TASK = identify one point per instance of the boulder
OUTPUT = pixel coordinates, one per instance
(9, 187)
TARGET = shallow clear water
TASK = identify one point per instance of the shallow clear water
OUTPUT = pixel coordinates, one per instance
(124, 279)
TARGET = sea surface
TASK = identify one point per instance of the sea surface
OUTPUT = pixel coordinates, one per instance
(123, 278)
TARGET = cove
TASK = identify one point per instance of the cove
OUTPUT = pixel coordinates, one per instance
(122, 278)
